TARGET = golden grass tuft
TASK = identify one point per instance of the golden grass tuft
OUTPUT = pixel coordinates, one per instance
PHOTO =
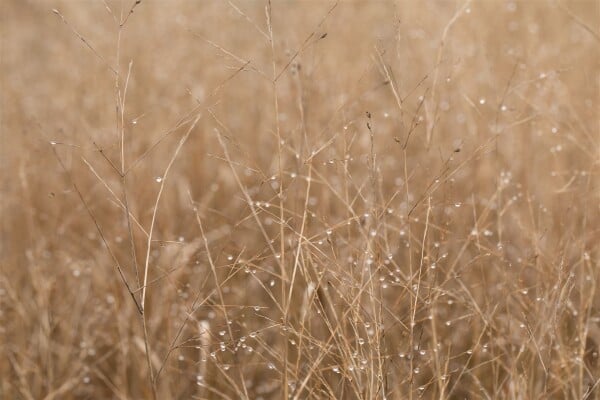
(303, 200)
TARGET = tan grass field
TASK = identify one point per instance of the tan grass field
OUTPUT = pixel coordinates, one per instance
(302, 199)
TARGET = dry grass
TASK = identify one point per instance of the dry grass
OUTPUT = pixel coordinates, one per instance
(368, 200)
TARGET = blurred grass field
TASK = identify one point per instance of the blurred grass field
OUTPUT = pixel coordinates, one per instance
(300, 199)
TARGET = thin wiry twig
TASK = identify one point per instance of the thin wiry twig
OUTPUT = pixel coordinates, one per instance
(307, 41)
(99, 229)
(133, 6)
(85, 41)
(156, 203)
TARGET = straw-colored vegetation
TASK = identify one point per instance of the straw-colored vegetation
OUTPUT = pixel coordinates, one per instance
(303, 199)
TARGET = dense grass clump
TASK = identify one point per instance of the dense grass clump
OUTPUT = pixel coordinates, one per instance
(304, 200)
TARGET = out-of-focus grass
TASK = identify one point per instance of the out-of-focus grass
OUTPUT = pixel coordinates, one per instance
(374, 200)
